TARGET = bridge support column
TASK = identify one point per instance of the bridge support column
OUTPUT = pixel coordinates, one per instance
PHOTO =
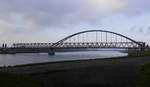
(143, 47)
(51, 52)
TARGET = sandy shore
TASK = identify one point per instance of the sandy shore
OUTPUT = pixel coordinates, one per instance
(94, 73)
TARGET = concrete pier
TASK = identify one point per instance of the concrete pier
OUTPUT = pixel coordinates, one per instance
(51, 52)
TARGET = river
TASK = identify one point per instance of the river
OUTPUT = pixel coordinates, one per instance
(19, 59)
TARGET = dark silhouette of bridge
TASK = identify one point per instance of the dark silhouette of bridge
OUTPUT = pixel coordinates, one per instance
(80, 40)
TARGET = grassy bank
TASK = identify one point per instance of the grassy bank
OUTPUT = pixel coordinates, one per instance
(145, 76)
(17, 80)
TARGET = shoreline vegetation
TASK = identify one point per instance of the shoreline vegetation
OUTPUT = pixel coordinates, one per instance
(26, 80)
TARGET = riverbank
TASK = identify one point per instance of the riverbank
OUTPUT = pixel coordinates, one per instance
(104, 73)
(116, 72)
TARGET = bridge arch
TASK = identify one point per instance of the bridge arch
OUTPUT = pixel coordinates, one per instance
(140, 44)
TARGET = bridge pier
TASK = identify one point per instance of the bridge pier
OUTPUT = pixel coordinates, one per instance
(51, 52)
(143, 46)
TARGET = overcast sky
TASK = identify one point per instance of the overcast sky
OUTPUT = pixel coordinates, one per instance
(51, 20)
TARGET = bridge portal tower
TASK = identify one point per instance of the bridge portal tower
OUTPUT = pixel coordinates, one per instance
(4, 45)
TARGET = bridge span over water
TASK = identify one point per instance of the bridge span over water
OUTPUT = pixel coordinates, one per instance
(80, 40)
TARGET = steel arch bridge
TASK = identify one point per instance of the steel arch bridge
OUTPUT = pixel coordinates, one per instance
(103, 39)
(88, 39)
(84, 39)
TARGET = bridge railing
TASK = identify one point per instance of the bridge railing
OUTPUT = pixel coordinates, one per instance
(78, 45)
(31, 45)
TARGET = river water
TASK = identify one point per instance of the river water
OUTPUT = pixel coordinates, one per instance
(19, 59)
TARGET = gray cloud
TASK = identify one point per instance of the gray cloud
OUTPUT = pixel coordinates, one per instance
(24, 16)
(41, 14)
(59, 13)
(136, 7)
